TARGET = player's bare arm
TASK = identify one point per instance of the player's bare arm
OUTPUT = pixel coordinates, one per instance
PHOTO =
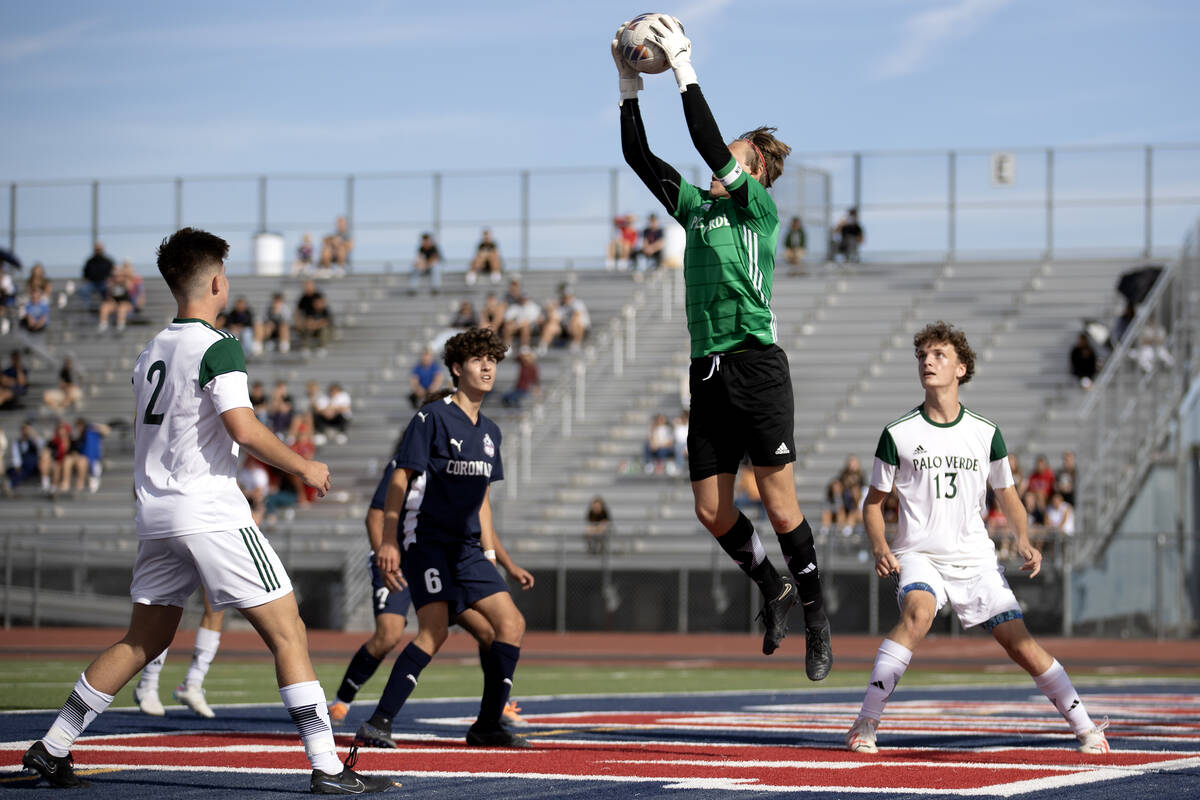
(491, 541)
(245, 429)
(387, 554)
(885, 561)
(374, 522)
(1014, 511)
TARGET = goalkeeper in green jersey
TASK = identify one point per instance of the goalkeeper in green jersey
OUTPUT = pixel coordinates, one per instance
(741, 387)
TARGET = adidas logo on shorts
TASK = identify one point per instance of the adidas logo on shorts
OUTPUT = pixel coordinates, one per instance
(782, 450)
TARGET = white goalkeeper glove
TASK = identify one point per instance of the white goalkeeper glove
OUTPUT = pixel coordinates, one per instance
(668, 34)
(630, 80)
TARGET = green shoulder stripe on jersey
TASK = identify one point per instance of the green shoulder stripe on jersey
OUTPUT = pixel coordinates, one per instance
(984, 420)
(222, 356)
(999, 450)
(906, 417)
(886, 450)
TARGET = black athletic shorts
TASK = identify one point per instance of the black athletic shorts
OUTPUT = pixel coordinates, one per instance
(741, 404)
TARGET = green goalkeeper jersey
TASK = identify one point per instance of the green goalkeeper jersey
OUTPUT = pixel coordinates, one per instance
(729, 265)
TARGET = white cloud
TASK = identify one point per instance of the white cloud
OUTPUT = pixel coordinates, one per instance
(21, 47)
(927, 31)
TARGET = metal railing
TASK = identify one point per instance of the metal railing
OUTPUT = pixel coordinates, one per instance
(1129, 412)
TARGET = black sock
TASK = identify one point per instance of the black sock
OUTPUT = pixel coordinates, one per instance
(745, 548)
(498, 669)
(800, 555)
(401, 682)
(361, 668)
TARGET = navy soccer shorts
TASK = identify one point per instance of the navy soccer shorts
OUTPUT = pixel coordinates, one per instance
(383, 599)
(454, 573)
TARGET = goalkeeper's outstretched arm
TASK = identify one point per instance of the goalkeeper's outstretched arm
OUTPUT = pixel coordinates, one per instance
(660, 178)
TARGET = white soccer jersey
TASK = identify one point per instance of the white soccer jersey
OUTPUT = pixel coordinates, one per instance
(185, 462)
(941, 472)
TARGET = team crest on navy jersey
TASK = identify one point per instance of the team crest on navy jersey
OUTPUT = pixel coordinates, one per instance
(488, 448)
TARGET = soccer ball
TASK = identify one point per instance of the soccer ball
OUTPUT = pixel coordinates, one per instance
(637, 48)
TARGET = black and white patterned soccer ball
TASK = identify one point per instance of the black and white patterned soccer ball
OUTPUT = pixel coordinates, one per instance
(636, 47)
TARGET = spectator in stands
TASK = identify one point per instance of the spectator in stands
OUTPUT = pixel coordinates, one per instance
(514, 293)
(96, 272)
(623, 243)
(850, 236)
(1060, 515)
(303, 265)
(8, 299)
(597, 526)
(118, 300)
(38, 280)
(652, 243)
(14, 382)
(335, 249)
(136, 286)
(679, 428)
(254, 480)
(1083, 361)
(1121, 324)
(843, 497)
(795, 246)
(659, 449)
(24, 456)
(998, 528)
(746, 495)
(276, 326)
(465, 317)
(425, 378)
(332, 412)
(1020, 483)
(487, 259)
(1041, 482)
(258, 401)
(86, 461)
(1036, 516)
(568, 319)
(493, 313)
(529, 380)
(280, 410)
(1064, 479)
(521, 319)
(314, 321)
(1151, 347)
(304, 443)
(239, 321)
(53, 459)
(35, 311)
(428, 264)
(68, 395)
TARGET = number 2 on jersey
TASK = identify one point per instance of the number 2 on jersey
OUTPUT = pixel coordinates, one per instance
(160, 367)
(951, 490)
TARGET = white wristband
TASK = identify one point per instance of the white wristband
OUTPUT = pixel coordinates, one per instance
(685, 76)
(490, 555)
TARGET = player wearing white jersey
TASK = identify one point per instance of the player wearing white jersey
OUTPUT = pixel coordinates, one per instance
(940, 457)
(192, 416)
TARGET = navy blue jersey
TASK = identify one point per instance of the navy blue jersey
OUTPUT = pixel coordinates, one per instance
(457, 460)
(379, 500)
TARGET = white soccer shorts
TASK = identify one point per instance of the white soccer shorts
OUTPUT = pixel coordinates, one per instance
(976, 594)
(239, 569)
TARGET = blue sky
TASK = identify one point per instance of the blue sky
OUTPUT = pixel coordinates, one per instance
(98, 89)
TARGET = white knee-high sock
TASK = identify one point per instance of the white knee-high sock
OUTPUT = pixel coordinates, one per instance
(891, 660)
(305, 703)
(1056, 685)
(205, 650)
(83, 705)
(148, 682)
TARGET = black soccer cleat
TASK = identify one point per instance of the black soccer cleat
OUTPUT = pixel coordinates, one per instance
(818, 652)
(774, 615)
(57, 771)
(368, 735)
(497, 737)
(348, 781)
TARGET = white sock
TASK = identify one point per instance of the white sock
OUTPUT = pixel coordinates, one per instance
(82, 706)
(305, 702)
(149, 680)
(891, 660)
(205, 650)
(1056, 685)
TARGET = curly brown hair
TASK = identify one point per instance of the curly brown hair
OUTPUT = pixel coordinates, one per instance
(944, 333)
(471, 343)
(769, 149)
